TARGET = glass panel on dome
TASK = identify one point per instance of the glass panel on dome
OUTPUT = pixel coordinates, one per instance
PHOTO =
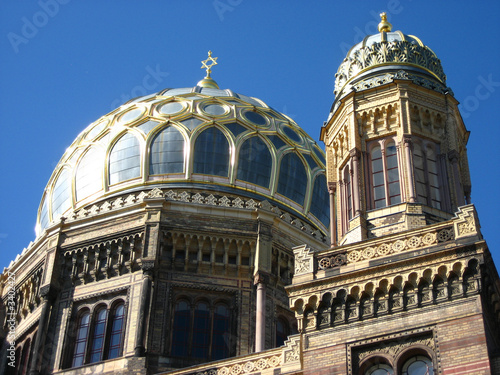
(292, 134)
(96, 130)
(213, 92)
(235, 128)
(255, 118)
(277, 141)
(312, 163)
(148, 126)
(250, 100)
(211, 153)
(320, 155)
(44, 214)
(125, 159)
(131, 115)
(171, 108)
(89, 173)
(167, 152)
(214, 109)
(61, 196)
(191, 123)
(320, 204)
(232, 101)
(292, 182)
(255, 162)
(180, 91)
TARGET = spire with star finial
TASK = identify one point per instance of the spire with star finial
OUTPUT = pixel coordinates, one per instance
(207, 64)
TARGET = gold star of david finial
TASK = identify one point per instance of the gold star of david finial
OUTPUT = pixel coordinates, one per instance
(208, 63)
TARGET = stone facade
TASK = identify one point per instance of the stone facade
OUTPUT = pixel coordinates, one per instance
(147, 251)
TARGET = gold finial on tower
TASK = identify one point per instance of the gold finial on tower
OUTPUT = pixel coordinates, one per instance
(207, 64)
(384, 25)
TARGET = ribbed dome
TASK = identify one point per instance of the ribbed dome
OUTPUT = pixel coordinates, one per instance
(195, 137)
(384, 56)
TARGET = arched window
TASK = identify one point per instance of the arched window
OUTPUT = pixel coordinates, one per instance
(386, 188)
(23, 370)
(82, 334)
(426, 170)
(211, 153)
(282, 331)
(98, 336)
(418, 365)
(380, 369)
(167, 152)
(89, 174)
(348, 191)
(61, 196)
(125, 159)
(255, 162)
(320, 204)
(116, 333)
(44, 213)
(292, 182)
(220, 346)
(180, 334)
(201, 331)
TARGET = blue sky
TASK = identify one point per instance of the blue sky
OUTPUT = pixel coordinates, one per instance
(65, 63)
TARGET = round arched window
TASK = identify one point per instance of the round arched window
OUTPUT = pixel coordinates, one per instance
(418, 365)
(380, 369)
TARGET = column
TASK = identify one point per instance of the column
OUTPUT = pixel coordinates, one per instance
(332, 188)
(37, 353)
(355, 182)
(453, 156)
(409, 171)
(140, 338)
(260, 321)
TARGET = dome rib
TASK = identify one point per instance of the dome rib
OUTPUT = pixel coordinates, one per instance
(102, 163)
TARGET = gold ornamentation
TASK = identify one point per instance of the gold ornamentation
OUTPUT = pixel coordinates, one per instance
(383, 53)
(208, 63)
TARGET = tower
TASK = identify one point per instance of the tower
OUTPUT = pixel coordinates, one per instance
(395, 140)
(408, 285)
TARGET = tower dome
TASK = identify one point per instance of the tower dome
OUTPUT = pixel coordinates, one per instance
(198, 137)
(385, 56)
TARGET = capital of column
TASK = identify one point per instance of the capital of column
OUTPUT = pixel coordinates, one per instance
(354, 153)
(147, 267)
(407, 140)
(332, 187)
(260, 278)
(453, 155)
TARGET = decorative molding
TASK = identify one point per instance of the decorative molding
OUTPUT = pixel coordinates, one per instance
(196, 198)
(387, 53)
(291, 351)
(466, 223)
(390, 345)
(403, 244)
(304, 260)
